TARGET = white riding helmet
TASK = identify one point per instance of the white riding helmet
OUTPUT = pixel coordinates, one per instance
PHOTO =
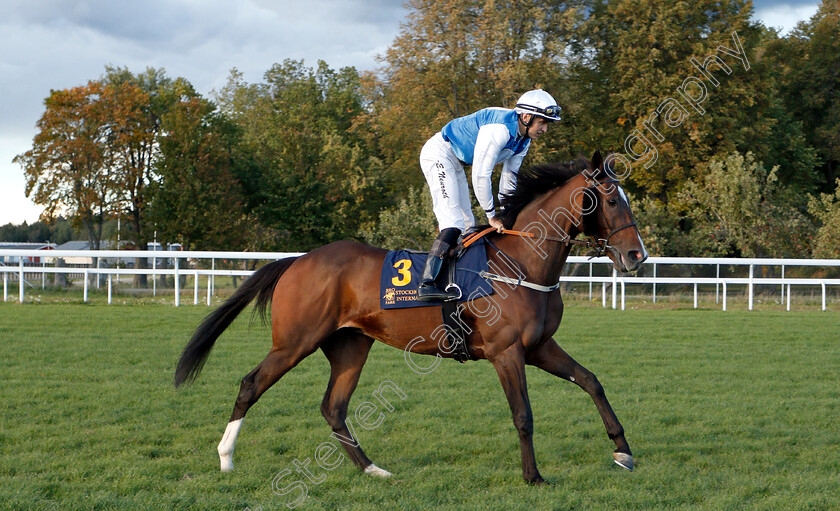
(538, 102)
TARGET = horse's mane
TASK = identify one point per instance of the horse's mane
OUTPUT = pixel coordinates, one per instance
(535, 181)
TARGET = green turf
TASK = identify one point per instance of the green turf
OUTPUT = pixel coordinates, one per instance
(723, 410)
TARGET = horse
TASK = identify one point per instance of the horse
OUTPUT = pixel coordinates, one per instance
(328, 299)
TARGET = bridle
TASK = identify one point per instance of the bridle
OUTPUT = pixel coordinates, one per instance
(601, 246)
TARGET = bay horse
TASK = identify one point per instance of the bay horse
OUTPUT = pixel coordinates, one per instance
(329, 299)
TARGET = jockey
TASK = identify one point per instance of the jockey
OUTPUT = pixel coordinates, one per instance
(482, 139)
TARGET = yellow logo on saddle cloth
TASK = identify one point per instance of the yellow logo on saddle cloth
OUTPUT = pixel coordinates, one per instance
(389, 296)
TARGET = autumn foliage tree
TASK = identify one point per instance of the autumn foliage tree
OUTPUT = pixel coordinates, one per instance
(826, 209)
(739, 207)
(146, 97)
(69, 168)
(453, 57)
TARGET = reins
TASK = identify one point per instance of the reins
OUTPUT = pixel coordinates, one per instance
(598, 244)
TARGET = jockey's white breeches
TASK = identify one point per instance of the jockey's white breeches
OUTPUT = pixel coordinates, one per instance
(448, 184)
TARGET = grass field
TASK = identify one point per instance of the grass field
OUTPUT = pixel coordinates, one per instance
(723, 410)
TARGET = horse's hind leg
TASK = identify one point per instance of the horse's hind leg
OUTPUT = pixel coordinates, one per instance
(347, 352)
(551, 358)
(272, 368)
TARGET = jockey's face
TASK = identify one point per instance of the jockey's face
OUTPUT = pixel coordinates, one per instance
(537, 127)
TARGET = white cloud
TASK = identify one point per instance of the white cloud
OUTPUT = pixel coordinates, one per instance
(785, 16)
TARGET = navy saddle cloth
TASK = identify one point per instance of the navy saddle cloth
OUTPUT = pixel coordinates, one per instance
(402, 271)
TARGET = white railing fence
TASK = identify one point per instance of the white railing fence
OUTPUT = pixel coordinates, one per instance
(656, 273)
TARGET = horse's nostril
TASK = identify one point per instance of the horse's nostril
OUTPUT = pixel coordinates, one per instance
(634, 255)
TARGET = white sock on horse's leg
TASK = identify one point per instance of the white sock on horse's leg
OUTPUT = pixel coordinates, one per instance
(228, 442)
(376, 471)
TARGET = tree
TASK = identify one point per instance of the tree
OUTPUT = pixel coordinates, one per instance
(57, 231)
(141, 102)
(826, 209)
(662, 226)
(195, 196)
(410, 224)
(638, 54)
(314, 177)
(68, 170)
(453, 57)
(808, 61)
(738, 208)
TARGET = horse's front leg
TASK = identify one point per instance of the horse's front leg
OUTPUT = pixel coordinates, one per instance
(510, 364)
(551, 358)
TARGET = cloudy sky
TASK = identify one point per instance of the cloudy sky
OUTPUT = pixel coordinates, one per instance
(58, 44)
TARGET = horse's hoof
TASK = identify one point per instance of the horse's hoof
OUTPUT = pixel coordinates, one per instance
(623, 460)
(376, 471)
(226, 462)
(535, 479)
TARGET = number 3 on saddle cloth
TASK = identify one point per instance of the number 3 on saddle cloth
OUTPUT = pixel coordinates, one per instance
(402, 270)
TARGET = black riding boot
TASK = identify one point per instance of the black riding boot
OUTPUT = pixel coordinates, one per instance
(433, 280)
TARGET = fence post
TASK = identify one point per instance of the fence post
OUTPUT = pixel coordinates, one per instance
(209, 286)
(86, 285)
(695, 295)
(60, 278)
(110, 277)
(154, 276)
(604, 294)
(788, 297)
(717, 284)
(822, 286)
(614, 290)
(177, 283)
(783, 283)
(43, 274)
(751, 287)
(20, 276)
(654, 282)
(212, 277)
(622, 293)
(724, 295)
(5, 286)
(590, 281)
(195, 293)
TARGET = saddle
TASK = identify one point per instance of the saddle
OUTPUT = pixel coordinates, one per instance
(401, 275)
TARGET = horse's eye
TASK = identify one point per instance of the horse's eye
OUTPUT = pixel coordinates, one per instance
(612, 202)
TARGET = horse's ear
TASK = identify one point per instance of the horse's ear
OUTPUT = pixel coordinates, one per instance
(597, 160)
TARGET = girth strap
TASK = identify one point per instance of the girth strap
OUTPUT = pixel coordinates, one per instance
(455, 334)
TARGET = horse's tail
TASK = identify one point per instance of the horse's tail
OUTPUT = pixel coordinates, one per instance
(260, 285)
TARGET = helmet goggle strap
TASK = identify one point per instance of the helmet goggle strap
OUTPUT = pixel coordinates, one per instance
(551, 113)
